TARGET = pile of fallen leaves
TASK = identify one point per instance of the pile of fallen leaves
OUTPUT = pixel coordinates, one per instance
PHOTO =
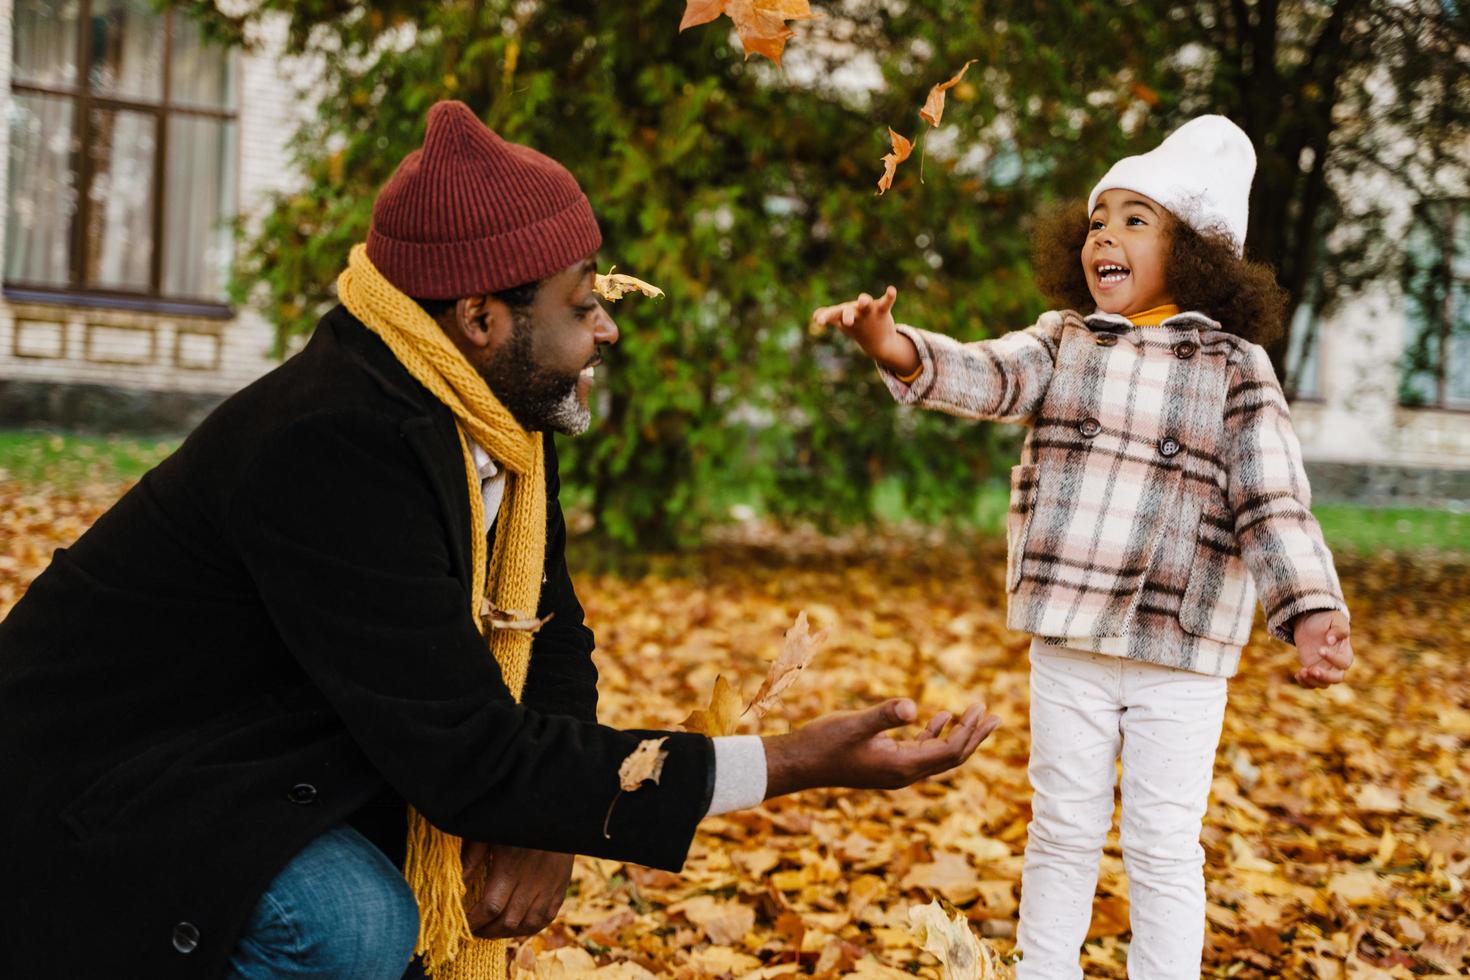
(1338, 835)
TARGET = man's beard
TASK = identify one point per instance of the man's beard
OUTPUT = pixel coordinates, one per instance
(540, 399)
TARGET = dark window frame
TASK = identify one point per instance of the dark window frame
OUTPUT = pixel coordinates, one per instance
(84, 100)
(1441, 319)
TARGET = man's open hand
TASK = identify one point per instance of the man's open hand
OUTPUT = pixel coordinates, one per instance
(524, 890)
(854, 749)
(1325, 647)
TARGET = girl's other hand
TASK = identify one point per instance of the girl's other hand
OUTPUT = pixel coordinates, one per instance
(869, 321)
(1324, 646)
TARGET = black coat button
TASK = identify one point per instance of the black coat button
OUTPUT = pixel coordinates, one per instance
(1090, 427)
(1106, 339)
(1185, 349)
(1169, 446)
(186, 937)
(302, 794)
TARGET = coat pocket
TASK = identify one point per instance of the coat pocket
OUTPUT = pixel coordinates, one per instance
(1220, 600)
(1018, 520)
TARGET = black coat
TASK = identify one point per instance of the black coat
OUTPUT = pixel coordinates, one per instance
(271, 634)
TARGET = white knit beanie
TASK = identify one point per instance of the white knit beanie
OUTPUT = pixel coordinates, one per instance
(1201, 172)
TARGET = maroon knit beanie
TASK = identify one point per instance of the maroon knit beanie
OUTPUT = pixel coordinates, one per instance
(469, 213)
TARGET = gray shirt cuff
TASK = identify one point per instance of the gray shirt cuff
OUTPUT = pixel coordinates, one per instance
(740, 773)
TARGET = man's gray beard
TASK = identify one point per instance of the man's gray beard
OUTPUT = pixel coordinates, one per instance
(540, 400)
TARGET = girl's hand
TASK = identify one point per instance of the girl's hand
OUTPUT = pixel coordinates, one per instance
(870, 323)
(1324, 646)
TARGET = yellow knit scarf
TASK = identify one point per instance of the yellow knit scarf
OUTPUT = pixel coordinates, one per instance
(511, 580)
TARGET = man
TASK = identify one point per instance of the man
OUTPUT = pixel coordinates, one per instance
(225, 709)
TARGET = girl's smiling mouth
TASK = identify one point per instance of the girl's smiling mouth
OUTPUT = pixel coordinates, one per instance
(1110, 274)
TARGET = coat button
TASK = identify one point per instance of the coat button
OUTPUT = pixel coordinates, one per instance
(1169, 446)
(1106, 339)
(302, 794)
(1090, 427)
(1185, 349)
(186, 937)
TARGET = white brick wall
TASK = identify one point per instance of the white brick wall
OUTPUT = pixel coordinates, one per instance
(154, 351)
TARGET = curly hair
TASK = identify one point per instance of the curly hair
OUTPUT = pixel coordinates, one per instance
(1202, 272)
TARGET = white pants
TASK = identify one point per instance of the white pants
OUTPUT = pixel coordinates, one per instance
(1084, 708)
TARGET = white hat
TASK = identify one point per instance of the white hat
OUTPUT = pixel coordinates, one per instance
(1201, 172)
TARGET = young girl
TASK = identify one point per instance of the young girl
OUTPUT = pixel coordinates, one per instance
(1160, 486)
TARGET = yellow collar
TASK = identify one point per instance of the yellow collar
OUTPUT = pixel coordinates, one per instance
(1155, 316)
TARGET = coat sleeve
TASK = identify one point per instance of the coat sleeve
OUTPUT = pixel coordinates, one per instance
(1002, 380)
(1279, 539)
(562, 678)
(339, 526)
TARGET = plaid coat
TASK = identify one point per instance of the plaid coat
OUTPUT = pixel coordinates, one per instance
(1160, 483)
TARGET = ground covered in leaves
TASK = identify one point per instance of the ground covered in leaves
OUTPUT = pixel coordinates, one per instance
(1338, 836)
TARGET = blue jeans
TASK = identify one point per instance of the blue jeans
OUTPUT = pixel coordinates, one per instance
(339, 909)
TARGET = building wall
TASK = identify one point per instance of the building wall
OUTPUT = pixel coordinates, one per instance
(90, 349)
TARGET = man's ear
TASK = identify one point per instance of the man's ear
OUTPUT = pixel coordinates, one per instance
(481, 322)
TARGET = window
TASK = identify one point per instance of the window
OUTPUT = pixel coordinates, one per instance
(1436, 363)
(122, 153)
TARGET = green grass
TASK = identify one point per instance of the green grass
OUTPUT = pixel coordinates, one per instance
(62, 459)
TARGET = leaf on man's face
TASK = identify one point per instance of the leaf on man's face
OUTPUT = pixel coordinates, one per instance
(933, 109)
(800, 646)
(613, 287)
(722, 717)
(902, 149)
(644, 763)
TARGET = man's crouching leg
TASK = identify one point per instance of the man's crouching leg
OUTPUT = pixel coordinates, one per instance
(339, 909)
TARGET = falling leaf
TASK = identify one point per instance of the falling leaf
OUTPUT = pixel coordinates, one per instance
(510, 621)
(761, 24)
(722, 717)
(1144, 94)
(644, 763)
(613, 287)
(933, 109)
(961, 954)
(800, 646)
(902, 149)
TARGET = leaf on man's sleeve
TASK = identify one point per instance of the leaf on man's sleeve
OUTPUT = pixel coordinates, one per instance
(933, 109)
(644, 763)
(722, 717)
(800, 646)
(902, 149)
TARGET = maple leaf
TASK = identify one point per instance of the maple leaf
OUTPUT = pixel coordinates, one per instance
(961, 954)
(800, 646)
(933, 109)
(613, 287)
(902, 148)
(722, 716)
(644, 763)
(514, 622)
(761, 24)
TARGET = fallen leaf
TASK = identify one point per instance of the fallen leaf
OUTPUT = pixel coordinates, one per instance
(614, 286)
(723, 921)
(933, 109)
(722, 717)
(796, 652)
(902, 150)
(948, 874)
(961, 954)
(644, 763)
(510, 621)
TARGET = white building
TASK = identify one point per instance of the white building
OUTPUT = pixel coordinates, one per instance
(132, 146)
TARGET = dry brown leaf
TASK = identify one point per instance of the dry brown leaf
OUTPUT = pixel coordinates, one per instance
(510, 620)
(796, 652)
(902, 150)
(723, 921)
(722, 717)
(644, 763)
(613, 287)
(761, 24)
(961, 954)
(933, 109)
